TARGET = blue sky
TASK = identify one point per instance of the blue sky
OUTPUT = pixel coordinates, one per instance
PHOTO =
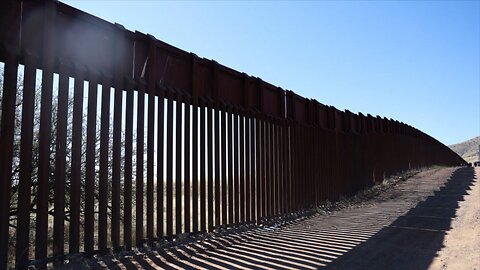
(416, 62)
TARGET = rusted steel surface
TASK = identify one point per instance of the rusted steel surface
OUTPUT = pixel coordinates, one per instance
(26, 155)
(202, 162)
(128, 168)
(6, 144)
(178, 166)
(139, 176)
(75, 180)
(169, 180)
(224, 166)
(186, 161)
(209, 146)
(160, 163)
(244, 150)
(60, 164)
(104, 168)
(90, 168)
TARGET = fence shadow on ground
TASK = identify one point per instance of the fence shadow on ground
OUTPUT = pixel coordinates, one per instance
(367, 241)
(416, 237)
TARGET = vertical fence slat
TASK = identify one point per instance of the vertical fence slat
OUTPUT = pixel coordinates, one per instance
(150, 158)
(90, 166)
(194, 91)
(242, 169)
(169, 145)
(272, 181)
(117, 144)
(195, 166)
(269, 183)
(128, 168)
(253, 170)
(6, 155)
(266, 168)
(139, 178)
(41, 233)
(209, 146)
(152, 91)
(160, 161)
(278, 184)
(203, 214)
(283, 168)
(248, 172)
(287, 168)
(236, 192)
(24, 185)
(230, 165)
(116, 159)
(235, 166)
(6, 146)
(224, 166)
(259, 168)
(293, 166)
(178, 166)
(103, 175)
(275, 168)
(75, 185)
(187, 178)
(9, 10)
(217, 167)
(60, 164)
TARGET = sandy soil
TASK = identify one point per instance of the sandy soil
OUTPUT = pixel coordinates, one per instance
(462, 243)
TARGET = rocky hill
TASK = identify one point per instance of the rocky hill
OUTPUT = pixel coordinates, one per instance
(468, 150)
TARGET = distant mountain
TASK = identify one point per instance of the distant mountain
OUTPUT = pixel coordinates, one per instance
(468, 150)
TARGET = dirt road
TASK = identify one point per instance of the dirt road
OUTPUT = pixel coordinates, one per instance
(462, 243)
(432, 220)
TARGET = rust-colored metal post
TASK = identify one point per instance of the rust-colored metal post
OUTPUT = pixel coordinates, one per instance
(26, 145)
(160, 161)
(209, 145)
(103, 174)
(242, 168)
(230, 165)
(203, 179)
(139, 178)
(178, 165)
(248, 171)
(169, 184)
(236, 179)
(6, 146)
(195, 218)
(41, 232)
(117, 137)
(90, 166)
(224, 165)
(128, 167)
(60, 163)
(186, 161)
(151, 87)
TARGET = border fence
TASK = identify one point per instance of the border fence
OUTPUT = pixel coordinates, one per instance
(138, 141)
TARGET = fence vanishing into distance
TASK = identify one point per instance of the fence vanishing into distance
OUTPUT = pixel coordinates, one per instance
(111, 139)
